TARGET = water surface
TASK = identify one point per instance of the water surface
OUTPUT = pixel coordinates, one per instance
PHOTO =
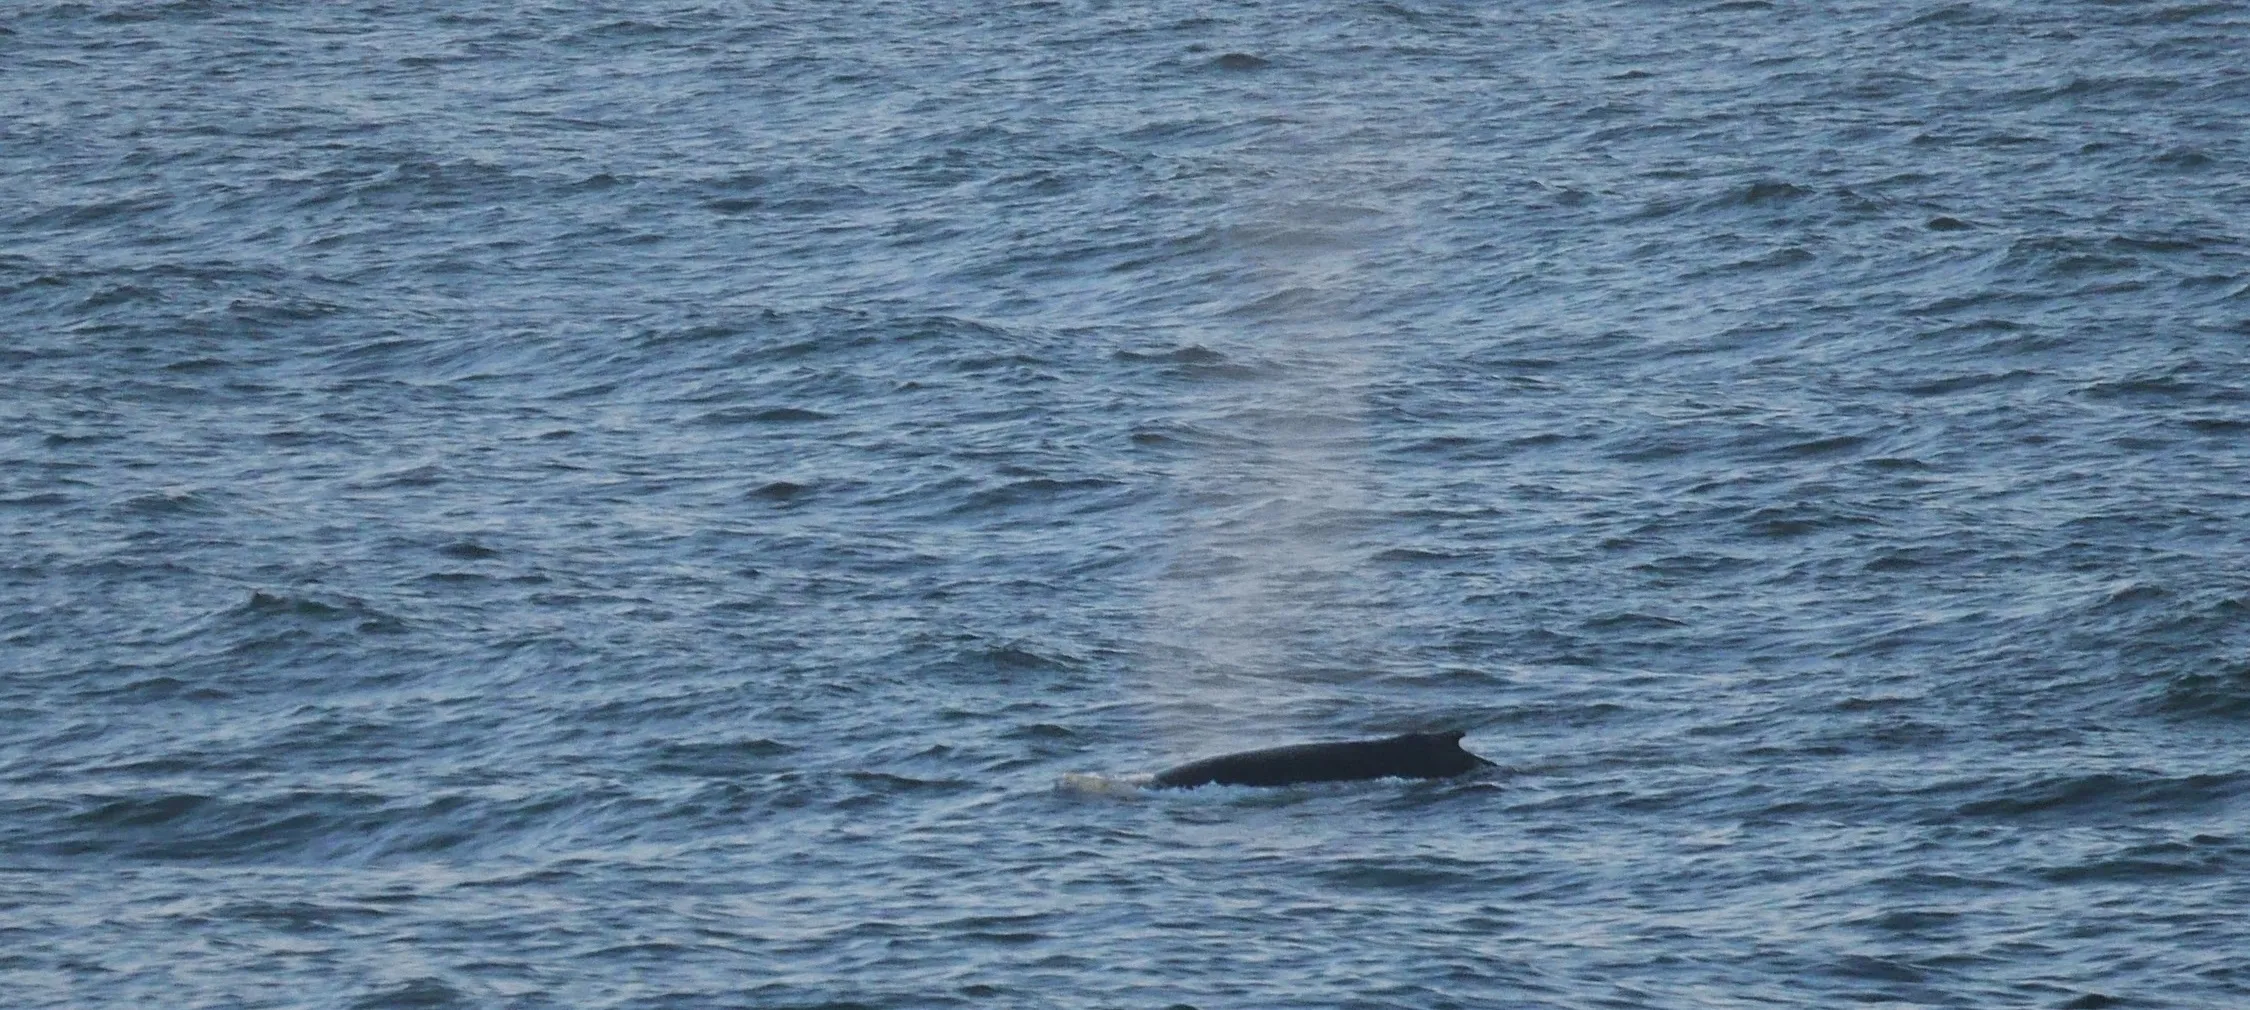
(641, 505)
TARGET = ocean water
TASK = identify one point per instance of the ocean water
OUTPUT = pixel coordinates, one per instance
(656, 505)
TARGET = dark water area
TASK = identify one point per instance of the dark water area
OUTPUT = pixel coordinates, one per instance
(705, 504)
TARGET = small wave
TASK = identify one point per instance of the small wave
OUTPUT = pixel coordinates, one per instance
(1011, 658)
(1192, 354)
(1950, 304)
(1764, 193)
(1288, 302)
(1425, 874)
(429, 183)
(191, 826)
(277, 308)
(1955, 14)
(999, 929)
(329, 824)
(1019, 367)
(2132, 596)
(1631, 621)
(2184, 160)
(2217, 425)
(2063, 256)
(2177, 13)
(105, 211)
(298, 916)
(892, 784)
(2132, 796)
(1833, 445)
(161, 688)
(2143, 87)
(1159, 433)
(2145, 864)
(2161, 385)
(1412, 555)
(37, 499)
(1776, 259)
(417, 994)
(265, 606)
(1907, 922)
(1036, 490)
(165, 10)
(723, 758)
(1895, 464)
(142, 811)
(1948, 384)
(602, 181)
(1875, 703)
(423, 475)
(2165, 244)
(761, 415)
(2221, 694)
(734, 204)
(171, 503)
(1799, 519)
(261, 602)
(780, 491)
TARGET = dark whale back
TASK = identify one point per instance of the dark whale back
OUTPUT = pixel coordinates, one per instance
(1410, 756)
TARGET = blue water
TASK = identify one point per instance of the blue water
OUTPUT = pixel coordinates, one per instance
(656, 504)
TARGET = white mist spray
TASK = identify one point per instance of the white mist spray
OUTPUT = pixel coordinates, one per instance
(1266, 601)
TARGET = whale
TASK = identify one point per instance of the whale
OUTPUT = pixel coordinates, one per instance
(1406, 756)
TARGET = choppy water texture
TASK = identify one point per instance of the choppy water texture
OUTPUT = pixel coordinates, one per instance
(640, 505)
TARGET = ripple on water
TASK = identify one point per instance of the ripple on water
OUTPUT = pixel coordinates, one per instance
(638, 510)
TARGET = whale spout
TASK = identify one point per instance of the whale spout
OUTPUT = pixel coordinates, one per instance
(1407, 756)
